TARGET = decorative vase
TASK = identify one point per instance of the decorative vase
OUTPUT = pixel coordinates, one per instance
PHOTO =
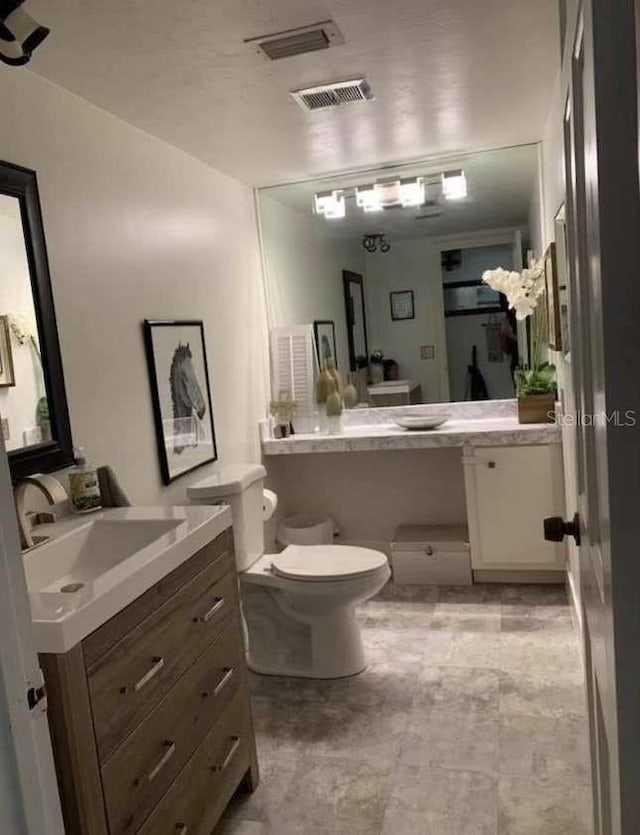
(537, 408)
(376, 373)
(334, 411)
(325, 384)
(335, 374)
(350, 394)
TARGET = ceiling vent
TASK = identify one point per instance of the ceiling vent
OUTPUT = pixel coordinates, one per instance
(333, 95)
(292, 42)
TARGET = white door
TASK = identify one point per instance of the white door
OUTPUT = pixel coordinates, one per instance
(29, 803)
(603, 205)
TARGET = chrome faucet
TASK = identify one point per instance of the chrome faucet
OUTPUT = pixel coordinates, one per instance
(52, 490)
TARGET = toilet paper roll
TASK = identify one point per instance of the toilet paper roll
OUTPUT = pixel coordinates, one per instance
(269, 504)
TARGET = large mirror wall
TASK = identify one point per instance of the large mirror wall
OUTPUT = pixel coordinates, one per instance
(405, 282)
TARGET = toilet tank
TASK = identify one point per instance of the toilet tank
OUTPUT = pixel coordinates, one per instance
(240, 486)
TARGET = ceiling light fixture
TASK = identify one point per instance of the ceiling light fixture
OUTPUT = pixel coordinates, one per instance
(20, 34)
(368, 199)
(454, 185)
(412, 192)
(372, 242)
(330, 204)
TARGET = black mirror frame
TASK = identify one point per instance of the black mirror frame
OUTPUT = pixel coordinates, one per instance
(349, 278)
(22, 183)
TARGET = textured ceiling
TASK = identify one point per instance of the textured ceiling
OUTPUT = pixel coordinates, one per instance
(500, 184)
(448, 76)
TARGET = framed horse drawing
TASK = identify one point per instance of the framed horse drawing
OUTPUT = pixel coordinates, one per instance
(181, 395)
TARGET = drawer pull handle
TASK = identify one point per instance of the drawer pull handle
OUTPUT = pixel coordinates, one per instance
(158, 664)
(171, 749)
(226, 678)
(181, 829)
(232, 752)
(212, 611)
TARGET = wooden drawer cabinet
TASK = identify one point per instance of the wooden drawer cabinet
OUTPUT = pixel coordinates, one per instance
(130, 707)
(198, 796)
(131, 678)
(141, 769)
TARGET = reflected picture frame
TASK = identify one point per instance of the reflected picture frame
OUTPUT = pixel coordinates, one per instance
(7, 373)
(554, 323)
(324, 331)
(402, 305)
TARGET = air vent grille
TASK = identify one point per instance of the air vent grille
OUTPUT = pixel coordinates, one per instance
(292, 42)
(295, 44)
(333, 95)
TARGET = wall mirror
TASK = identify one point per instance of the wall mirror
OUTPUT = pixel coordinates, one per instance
(417, 238)
(33, 405)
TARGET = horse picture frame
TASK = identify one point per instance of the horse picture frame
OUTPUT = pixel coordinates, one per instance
(181, 395)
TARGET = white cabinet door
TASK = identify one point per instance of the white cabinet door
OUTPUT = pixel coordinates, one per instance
(509, 492)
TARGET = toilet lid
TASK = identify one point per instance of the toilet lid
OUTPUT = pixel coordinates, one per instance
(326, 562)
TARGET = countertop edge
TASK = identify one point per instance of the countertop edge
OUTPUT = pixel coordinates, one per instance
(58, 637)
(522, 435)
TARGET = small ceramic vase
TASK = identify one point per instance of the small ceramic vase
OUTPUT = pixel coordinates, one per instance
(350, 394)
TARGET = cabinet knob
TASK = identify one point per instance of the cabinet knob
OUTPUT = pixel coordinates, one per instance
(491, 465)
(555, 528)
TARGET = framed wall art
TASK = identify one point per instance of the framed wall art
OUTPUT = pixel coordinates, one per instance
(179, 379)
(402, 305)
(325, 334)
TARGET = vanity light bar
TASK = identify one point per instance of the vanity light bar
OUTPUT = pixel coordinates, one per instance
(368, 199)
(454, 185)
(330, 204)
(412, 192)
(386, 194)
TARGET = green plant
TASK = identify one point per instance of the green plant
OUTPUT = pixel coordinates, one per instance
(537, 380)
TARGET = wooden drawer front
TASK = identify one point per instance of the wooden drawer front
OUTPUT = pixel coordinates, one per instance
(218, 553)
(138, 773)
(129, 681)
(200, 793)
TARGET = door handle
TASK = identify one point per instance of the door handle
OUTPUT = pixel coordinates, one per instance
(555, 528)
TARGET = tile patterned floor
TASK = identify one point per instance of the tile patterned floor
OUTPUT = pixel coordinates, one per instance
(470, 720)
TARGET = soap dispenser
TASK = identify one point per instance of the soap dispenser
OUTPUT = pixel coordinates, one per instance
(83, 485)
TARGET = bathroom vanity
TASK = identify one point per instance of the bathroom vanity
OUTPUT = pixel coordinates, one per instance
(149, 711)
(481, 469)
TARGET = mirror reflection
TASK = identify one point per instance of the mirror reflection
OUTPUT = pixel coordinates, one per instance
(394, 258)
(24, 410)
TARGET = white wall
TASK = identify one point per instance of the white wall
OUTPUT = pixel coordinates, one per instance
(360, 490)
(408, 266)
(304, 261)
(18, 403)
(137, 229)
(463, 332)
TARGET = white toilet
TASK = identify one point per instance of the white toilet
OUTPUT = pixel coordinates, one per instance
(299, 605)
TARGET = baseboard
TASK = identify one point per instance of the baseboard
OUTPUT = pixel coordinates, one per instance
(518, 576)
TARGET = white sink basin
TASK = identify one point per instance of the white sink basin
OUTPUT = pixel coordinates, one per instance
(92, 567)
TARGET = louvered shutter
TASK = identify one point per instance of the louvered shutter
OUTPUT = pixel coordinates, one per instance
(293, 365)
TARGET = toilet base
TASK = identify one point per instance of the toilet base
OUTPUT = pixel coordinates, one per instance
(283, 642)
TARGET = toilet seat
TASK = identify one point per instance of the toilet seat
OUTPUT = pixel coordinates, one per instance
(326, 563)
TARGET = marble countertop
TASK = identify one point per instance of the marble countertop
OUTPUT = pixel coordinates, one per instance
(460, 432)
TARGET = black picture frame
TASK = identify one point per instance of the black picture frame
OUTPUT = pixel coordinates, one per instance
(22, 183)
(149, 325)
(405, 295)
(348, 279)
(318, 326)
